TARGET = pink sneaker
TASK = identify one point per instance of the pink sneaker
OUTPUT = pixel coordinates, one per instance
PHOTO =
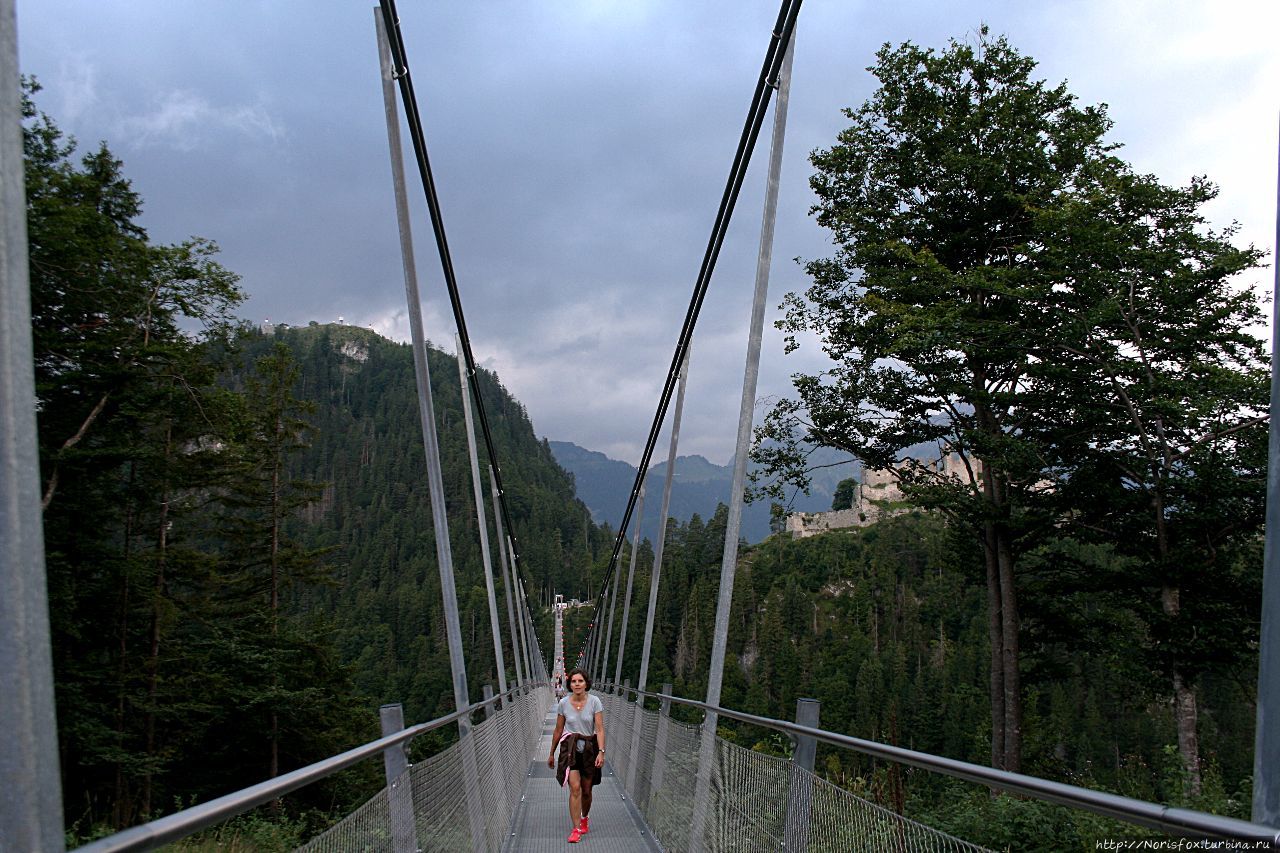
(575, 837)
(583, 827)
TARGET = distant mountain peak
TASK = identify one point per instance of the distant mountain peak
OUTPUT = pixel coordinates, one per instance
(604, 484)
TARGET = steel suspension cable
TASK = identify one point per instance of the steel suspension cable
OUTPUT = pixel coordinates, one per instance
(742, 157)
(414, 120)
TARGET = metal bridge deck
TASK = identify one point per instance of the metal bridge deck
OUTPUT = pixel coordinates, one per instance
(541, 822)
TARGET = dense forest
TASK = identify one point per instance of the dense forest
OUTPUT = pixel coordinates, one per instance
(886, 626)
(241, 561)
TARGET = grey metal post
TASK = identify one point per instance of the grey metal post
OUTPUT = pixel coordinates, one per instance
(631, 579)
(517, 592)
(535, 647)
(800, 796)
(593, 639)
(431, 446)
(728, 565)
(478, 491)
(540, 659)
(656, 575)
(660, 741)
(490, 711)
(506, 579)
(395, 761)
(1266, 750)
(522, 618)
(593, 665)
(509, 774)
(597, 638)
(535, 652)
(557, 643)
(31, 800)
(608, 637)
(633, 756)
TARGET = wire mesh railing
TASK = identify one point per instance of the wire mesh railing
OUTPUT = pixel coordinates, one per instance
(427, 807)
(755, 798)
(754, 803)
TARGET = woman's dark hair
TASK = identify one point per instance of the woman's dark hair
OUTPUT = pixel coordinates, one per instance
(569, 678)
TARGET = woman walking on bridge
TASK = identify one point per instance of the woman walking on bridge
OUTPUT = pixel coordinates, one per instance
(579, 742)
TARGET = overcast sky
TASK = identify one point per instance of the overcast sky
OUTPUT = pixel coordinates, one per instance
(580, 148)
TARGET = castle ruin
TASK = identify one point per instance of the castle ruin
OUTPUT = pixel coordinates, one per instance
(875, 498)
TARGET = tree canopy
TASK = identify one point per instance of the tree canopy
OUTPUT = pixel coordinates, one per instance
(1008, 289)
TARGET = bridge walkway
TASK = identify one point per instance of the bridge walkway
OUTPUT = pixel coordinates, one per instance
(541, 822)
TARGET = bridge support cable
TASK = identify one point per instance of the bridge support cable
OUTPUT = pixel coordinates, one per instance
(592, 640)
(430, 441)
(1266, 752)
(506, 582)
(626, 601)
(746, 413)
(597, 634)
(608, 637)
(742, 157)
(589, 645)
(413, 120)
(538, 664)
(530, 639)
(477, 489)
(527, 635)
(540, 657)
(656, 574)
(31, 806)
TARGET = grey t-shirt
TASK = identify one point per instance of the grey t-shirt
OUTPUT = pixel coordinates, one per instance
(580, 722)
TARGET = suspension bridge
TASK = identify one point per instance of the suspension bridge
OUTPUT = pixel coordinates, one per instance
(669, 784)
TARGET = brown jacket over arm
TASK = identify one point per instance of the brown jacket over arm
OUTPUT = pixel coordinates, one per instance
(563, 755)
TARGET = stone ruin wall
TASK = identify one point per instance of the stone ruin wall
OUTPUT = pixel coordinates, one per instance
(873, 501)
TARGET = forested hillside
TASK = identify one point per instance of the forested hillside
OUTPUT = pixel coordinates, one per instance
(372, 516)
(886, 626)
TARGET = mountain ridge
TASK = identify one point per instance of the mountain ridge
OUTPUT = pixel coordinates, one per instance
(699, 485)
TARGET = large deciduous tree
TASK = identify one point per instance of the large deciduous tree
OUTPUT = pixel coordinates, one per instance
(1154, 364)
(985, 235)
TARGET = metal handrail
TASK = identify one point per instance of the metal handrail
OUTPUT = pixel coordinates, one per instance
(188, 821)
(1167, 819)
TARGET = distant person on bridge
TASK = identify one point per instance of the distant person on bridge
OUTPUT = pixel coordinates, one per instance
(579, 741)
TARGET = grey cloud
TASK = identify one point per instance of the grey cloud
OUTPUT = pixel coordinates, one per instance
(580, 150)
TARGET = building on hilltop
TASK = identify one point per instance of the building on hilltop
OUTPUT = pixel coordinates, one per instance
(877, 497)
